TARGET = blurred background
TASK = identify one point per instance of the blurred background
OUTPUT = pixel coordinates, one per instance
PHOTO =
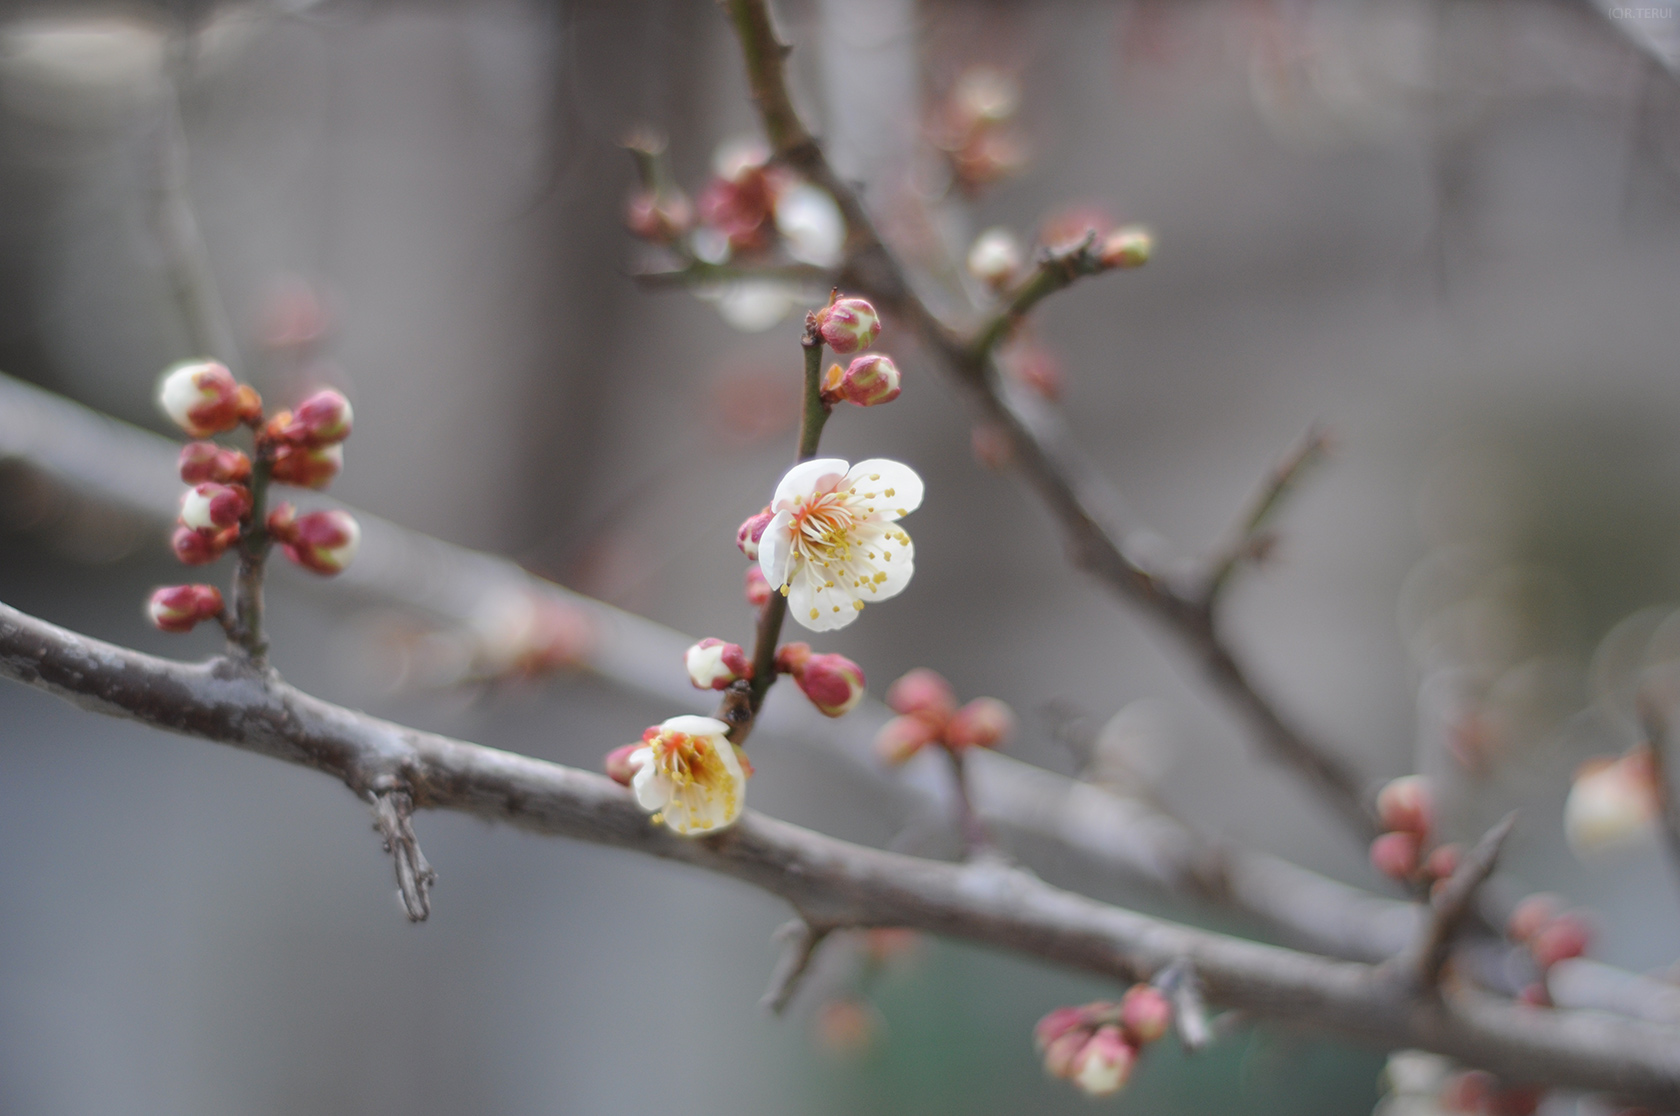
(1445, 230)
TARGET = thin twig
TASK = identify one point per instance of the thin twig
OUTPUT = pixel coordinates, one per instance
(976, 841)
(1653, 714)
(799, 940)
(1252, 536)
(1452, 903)
(392, 819)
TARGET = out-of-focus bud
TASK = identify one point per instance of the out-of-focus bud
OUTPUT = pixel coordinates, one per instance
(995, 258)
(1056, 1024)
(846, 1026)
(201, 397)
(1061, 1052)
(923, 693)
(985, 95)
(1145, 1014)
(890, 943)
(1611, 804)
(990, 446)
(713, 664)
(792, 657)
(1068, 228)
(1036, 368)
(1127, 247)
(660, 217)
(247, 404)
(1535, 994)
(1405, 804)
(323, 419)
(751, 531)
(1395, 855)
(1530, 915)
(214, 507)
(902, 737)
(1469, 1091)
(282, 521)
(323, 542)
(177, 608)
(1563, 937)
(1102, 1068)
(1443, 861)
(199, 548)
(307, 466)
(206, 461)
(871, 380)
(833, 683)
(757, 588)
(849, 324)
(812, 228)
(618, 766)
(982, 723)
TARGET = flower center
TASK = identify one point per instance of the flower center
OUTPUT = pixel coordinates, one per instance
(824, 528)
(688, 760)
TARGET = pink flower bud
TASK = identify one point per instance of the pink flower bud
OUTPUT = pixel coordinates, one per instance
(1145, 1014)
(757, 588)
(1036, 368)
(214, 507)
(1395, 855)
(1056, 1024)
(982, 723)
(177, 608)
(902, 737)
(923, 693)
(282, 521)
(713, 664)
(201, 397)
(1535, 995)
(833, 683)
(1103, 1066)
(1612, 803)
(206, 461)
(871, 380)
(321, 420)
(846, 1026)
(1062, 1052)
(307, 466)
(1406, 805)
(1531, 915)
(1563, 937)
(848, 325)
(751, 531)
(323, 542)
(1127, 247)
(792, 657)
(1442, 862)
(247, 404)
(200, 548)
(618, 765)
(659, 217)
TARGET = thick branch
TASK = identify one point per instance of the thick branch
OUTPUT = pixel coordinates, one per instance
(837, 883)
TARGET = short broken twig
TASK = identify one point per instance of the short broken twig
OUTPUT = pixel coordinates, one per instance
(1451, 904)
(799, 941)
(392, 820)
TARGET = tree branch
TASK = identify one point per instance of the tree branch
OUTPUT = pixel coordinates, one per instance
(1450, 906)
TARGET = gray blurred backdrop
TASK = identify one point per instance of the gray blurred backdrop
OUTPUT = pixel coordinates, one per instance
(1447, 230)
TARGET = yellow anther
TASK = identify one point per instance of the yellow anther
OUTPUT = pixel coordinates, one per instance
(880, 576)
(874, 476)
(815, 613)
(886, 556)
(836, 609)
(855, 604)
(784, 590)
(828, 585)
(889, 492)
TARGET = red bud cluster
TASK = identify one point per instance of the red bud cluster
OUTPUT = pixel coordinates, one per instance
(1550, 935)
(974, 128)
(1405, 851)
(928, 714)
(1097, 1045)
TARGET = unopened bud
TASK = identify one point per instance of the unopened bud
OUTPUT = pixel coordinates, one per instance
(713, 664)
(1127, 247)
(792, 657)
(757, 588)
(659, 217)
(751, 531)
(991, 446)
(214, 507)
(871, 380)
(1563, 937)
(1611, 804)
(307, 466)
(923, 693)
(1036, 368)
(1395, 855)
(1062, 1052)
(982, 723)
(201, 397)
(848, 325)
(618, 765)
(902, 737)
(1443, 861)
(321, 420)
(833, 683)
(846, 1026)
(1102, 1068)
(247, 404)
(1531, 915)
(1406, 805)
(206, 461)
(323, 542)
(1056, 1024)
(200, 548)
(1145, 1014)
(178, 608)
(995, 258)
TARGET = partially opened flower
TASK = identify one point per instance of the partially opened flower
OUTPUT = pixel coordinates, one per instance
(1612, 803)
(835, 541)
(688, 776)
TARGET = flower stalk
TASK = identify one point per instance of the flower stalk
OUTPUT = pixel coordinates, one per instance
(246, 634)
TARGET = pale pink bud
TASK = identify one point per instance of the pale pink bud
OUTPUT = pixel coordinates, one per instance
(1056, 1024)
(1395, 855)
(751, 531)
(792, 657)
(1531, 915)
(713, 664)
(1406, 805)
(1103, 1066)
(618, 765)
(1062, 1052)
(206, 461)
(1563, 937)
(201, 397)
(1470, 1091)
(1442, 861)
(1127, 247)
(995, 257)
(991, 446)
(323, 542)
(1036, 368)
(848, 325)
(757, 588)
(902, 737)
(833, 683)
(660, 217)
(1612, 803)
(846, 1026)
(177, 608)
(247, 404)
(214, 507)
(924, 693)
(199, 548)
(321, 420)
(982, 723)
(871, 380)
(1145, 1014)
(307, 466)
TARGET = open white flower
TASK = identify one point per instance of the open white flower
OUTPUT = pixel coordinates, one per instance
(688, 777)
(835, 542)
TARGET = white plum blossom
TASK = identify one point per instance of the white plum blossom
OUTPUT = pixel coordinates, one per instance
(688, 776)
(811, 225)
(835, 542)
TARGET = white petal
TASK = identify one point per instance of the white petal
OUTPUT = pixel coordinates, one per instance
(818, 606)
(775, 547)
(690, 725)
(808, 219)
(653, 788)
(706, 808)
(807, 478)
(880, 475)
(897, 568)
(755, 305)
